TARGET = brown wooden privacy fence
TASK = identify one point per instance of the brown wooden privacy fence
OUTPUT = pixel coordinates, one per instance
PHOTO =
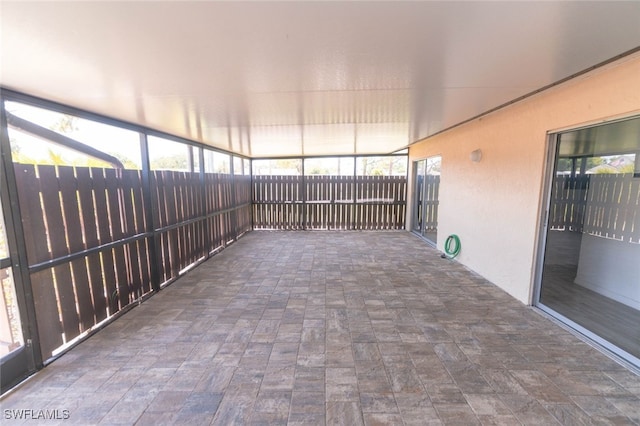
(90, 247)
(67, 211)
(606, 205)
(329, 202)
(277, 202)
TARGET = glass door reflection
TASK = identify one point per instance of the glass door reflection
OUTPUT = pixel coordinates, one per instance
(591, 269)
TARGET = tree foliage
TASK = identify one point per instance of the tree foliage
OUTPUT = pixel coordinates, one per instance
(170, 162)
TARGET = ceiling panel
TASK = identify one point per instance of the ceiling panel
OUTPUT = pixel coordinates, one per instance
(288, 78)
(276, 141)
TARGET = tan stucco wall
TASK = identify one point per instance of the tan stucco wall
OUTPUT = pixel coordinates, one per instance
(494, 205)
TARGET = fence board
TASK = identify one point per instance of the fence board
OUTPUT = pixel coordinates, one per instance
(431, 202)
(134, 271)
(85, 194)
(188, 238)
(32, 213)
(165, 257)
(229, 232)
(138, 202)
(244, 222)
(170, 197)
(178, 238)
(53, 212)
(226, 187)
(171, 256)
(223, 229)
(217, 239)
(195, 195)
(99, 192)
(200, 238)
(71, 209)
(109, 275)
(96, 279)
(158, 198)
(128, 210)
(122, 279)
(171, 207)
(114, 198)
(186, 198)
(186, 202)
(179, 191)
(208, 193)
(142, 247)
(174, 252)
(67, 301)
(200, 243)
(214, 241)
(219, 194)
(47, 316)
(86, 310)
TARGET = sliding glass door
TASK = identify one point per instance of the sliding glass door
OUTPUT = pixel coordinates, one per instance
(425, 201)
(591, 269)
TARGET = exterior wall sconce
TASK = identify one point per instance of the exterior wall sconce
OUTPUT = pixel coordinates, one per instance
(476, 156)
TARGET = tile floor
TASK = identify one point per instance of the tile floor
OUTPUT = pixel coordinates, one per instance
(336, 328)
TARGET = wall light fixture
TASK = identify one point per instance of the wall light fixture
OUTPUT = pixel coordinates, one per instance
(476, 156)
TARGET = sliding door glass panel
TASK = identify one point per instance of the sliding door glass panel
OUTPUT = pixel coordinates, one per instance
(431, 194)
(425, 204)
(591, 272)
(418, 192)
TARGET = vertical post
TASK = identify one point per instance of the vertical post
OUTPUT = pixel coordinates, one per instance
(583, 165)
(304, 196)
(354, 194)
(234, 202)
(427, 189)
(150, 211)
(203, 202)
(253, 193)
(17, 247)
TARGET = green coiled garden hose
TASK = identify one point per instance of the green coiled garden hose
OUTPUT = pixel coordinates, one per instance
(452, 251)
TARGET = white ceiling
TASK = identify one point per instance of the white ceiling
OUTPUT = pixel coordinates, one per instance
(303, 78)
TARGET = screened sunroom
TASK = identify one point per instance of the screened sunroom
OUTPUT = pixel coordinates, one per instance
(320, 212)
